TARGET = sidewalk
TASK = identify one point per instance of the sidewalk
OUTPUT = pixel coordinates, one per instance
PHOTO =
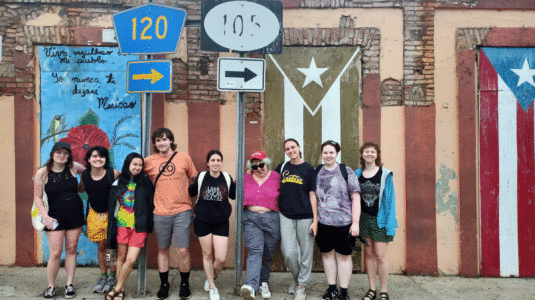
(29, 283)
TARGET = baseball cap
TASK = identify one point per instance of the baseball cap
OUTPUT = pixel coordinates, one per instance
(61, 145)
(260, 155)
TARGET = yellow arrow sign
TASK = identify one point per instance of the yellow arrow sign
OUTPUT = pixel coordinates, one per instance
(153, 76)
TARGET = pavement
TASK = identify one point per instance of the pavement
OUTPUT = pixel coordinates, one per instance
(29, 283)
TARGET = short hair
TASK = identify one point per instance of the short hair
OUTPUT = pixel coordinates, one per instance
(296, 142)
(378, 161)
(159, 133)
(102, 152)
(266, 160)
(125, 176)
(331, 143)
(212, 152)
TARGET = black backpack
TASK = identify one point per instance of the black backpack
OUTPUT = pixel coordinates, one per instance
(343, 170)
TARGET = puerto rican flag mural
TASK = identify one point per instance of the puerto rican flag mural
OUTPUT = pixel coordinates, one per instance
(507, 161)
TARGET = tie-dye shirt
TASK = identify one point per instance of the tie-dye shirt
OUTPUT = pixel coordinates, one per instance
(125, 216)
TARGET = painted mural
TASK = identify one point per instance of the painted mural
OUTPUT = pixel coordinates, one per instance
(313, 95)
(84, 102)
(507, 161)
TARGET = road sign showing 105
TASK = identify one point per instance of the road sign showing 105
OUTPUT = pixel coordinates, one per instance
(149, 29)
(242, 26)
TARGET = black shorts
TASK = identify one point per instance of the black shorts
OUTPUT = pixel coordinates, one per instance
(204, 228)
(67, 222)
(333, 237)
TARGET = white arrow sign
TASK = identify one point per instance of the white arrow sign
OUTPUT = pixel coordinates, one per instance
(241, 74)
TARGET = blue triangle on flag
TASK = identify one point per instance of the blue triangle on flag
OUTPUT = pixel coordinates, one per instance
(505, 60)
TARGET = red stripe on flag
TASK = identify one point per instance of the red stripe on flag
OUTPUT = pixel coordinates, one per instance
(489, 169)
(526, 191)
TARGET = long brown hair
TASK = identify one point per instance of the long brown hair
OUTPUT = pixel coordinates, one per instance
(50, 161)
(378, 161)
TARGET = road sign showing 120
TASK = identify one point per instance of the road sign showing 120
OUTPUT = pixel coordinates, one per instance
(241, 26)
(149, 29)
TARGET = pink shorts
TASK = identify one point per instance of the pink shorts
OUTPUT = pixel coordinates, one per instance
(129, 236)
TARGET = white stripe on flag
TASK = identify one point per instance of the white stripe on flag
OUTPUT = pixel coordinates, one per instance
(507, 124)
(331, 116)
(293, 114)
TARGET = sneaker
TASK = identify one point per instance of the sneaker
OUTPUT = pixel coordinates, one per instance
(300, 293)
(264, 291)
(185, 293)
(343, 296)
(330, 294)
(69, 291)
(293, 287)
(97, 288)
(247, 292)
(110, 283)
(214, 293)
(206, 286)
(163, 293)
(50, 293)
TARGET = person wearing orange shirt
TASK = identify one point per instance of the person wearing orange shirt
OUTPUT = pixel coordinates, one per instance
(172, 207)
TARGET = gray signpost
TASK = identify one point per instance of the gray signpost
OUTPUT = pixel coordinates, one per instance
(161, 38)
(253, 26)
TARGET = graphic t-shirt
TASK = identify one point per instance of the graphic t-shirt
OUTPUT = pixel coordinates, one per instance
(125, 216)
(334, 202)
(297, 181)
(171, 195)
(370, 190)
(212, 205)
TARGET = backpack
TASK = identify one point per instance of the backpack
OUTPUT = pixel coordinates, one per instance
(201, 178)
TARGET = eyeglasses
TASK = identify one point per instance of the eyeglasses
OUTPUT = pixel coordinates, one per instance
(260, 165)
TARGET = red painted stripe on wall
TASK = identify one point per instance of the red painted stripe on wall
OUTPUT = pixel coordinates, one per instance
(526, 191)
(421, 228)
(468, 212)
(203, 136)
(24, 154)
(371, 114)
(489, 168)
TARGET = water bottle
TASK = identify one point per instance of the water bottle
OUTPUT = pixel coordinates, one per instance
(111, 257)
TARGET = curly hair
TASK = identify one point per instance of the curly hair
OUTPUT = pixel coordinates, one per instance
(366, 145)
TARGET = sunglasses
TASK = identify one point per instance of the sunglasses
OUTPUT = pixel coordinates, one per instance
(260, 165)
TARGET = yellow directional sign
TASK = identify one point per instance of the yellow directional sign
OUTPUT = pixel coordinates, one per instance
(149, 76)
(153, 76)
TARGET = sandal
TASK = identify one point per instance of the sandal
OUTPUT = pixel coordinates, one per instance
(119, 295)
(370, 295)
(114, 294)
(384, 296)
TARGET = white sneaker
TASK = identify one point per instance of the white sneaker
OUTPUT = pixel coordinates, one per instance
(264, 291)
(206, 286)
(293, 287)
(214, 293)
(300, 293)
(247, 292)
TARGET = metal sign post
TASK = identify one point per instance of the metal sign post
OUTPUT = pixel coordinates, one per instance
(240, 162)
(148, 76)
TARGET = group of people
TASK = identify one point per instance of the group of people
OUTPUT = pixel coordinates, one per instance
(294, 203)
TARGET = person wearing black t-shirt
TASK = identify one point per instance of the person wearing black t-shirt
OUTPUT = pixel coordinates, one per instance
(212, 212)
(298, 216)
(378, 217)
(96, 180)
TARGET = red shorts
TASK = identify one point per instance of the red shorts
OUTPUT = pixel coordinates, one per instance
(129, 236)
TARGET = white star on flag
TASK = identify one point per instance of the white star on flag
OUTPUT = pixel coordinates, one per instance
(525, 74)
(312, 73)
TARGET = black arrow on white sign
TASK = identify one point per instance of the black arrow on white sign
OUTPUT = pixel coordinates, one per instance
(246, 74)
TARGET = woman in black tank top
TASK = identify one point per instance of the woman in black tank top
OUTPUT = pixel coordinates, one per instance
(96, 180)
(65, 217)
